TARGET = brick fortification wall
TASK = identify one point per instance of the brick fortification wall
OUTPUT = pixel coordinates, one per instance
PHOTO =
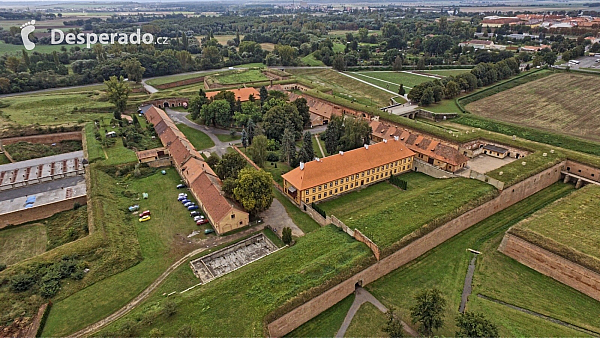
(507, 197)
(45, 138)
(552, 265)
(41, 212)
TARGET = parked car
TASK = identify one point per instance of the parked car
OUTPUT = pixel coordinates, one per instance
(145, 213)
(181, 186)
(188, 204)
(145, 218)
(202, 221)
(181, 198)
(209, 231)
(134, 208)
(195, 213)
(197, 218)
(184, 201)
(192, 207)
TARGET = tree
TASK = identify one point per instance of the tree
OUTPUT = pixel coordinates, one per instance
(118, 92)
(393, 326)
(288, 147)
(216, 113)
(307, 153)
(421, 63)
(401, 90)
(279, 118)
(12, 63)
(451, 90)
(196, 104)
(254, 189)
(250, 126)
(286, 235)
(339, 63)
(303, 109)
(133, 68)
(230, 165)
(428, 311)
(397, 65)
(264, 94)
(333, 134)
(472, 324)
(117, 115)
(258, 150)
(244, 138)
(427, 97)
(287, 54)
(356, 133)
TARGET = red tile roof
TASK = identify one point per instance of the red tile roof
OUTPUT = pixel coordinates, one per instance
(243, 93)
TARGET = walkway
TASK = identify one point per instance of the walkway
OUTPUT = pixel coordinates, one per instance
(468, 286)
(363, 296)
(277, 218)
(207, 244)
(370, 84)
(319, 144)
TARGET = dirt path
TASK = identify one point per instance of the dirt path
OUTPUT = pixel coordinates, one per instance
(468, 286)
(209, 243)
(319, 144)
(363, 296)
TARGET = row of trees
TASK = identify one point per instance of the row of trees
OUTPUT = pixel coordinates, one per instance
(343, 134)
(428, 313)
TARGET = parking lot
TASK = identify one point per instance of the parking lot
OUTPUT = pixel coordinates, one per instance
(584, 62)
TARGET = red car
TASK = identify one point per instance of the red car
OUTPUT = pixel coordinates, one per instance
(202, 221)
(145, 213)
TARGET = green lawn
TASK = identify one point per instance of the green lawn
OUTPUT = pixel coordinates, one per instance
(243, 76)
(3, 159)
(496, 276)
(568, 227)
(407, 79)
(344, 86)
(55, 108)
(446, 72)
(327, 323)
(302, 220)
(118, 154)
(19, 243)
(317, 258)
(403, 212)
(228, 137)
(161, 244)
(367, 322)
(444, 106)
(251, 65)
(22, 151)
(310, 60)
(198, 139)
(174, 78)
(277, 169)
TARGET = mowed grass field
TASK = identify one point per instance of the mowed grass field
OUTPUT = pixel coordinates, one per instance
(569, 226)
(198, 139)
(162, 240)
(566, 103)
(496, 276)
(236, 304)
(240, 76)
(345, 87)
(393, 79)
(446, 72)
(385, 213)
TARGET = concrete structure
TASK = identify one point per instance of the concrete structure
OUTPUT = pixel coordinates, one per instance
(432, 151)
(495, 151)
(347, 171)
(223, 214)
(481, 44)
(39, 170)
(233, 257)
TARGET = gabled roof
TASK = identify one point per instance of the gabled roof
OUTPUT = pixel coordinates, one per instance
(210, 197)
(495, 148)
(351, 162)
(243, 94)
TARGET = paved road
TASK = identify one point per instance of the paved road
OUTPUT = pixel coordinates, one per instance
(278, 218)
(363, 296)
(208, 243)
(468, 286)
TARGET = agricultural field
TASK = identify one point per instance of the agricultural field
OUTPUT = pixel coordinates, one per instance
(174, 78)
(565, 103)
(198, 139)
(568, 227)
(446, 72)
(318, 257)
(405, 211)
(345, 87)
(496, 276)
(7, 48)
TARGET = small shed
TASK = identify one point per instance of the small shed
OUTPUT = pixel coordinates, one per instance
(495, 151)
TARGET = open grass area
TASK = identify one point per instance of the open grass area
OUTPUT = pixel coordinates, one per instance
(446, 72)
(174, 78)
(569, 228)
(396, 78)
(22, 242)
(241, 76)
(367, 322)
(55, 108)
(310, 60)
(327, 323)
(444, 106)
(403, 212)
(566, 103)
(228, 137)
(316, 258)
(302, 220)
(198, 139)
(22, 151)
(3, 159)
(495, 276)
(162, 240)
(345, 87)
(277, 169)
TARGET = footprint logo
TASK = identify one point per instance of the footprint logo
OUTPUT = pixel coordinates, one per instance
(27, 29)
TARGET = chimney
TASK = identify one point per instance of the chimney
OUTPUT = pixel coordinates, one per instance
(396, 138)
(318, 159)
(301, 165)
(366, 146)
(384, 140)
(341, 152)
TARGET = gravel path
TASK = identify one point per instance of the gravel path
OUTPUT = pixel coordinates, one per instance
(468, 286)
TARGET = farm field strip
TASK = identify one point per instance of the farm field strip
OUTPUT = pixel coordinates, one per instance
(405, 78)
(369, 83)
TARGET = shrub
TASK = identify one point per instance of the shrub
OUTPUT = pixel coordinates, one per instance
(22, 282)
(286, 235)
(185, 331)
(169, 308)
(319, 210)
(272, 157)
(2, 266)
